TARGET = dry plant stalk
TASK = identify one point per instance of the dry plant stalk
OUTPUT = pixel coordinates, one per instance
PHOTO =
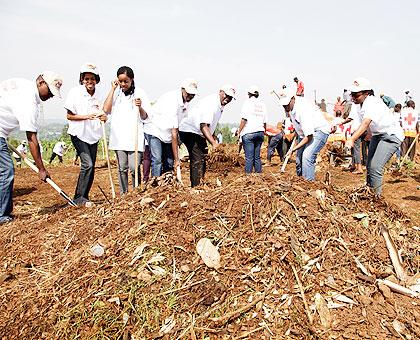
(393, 254)
(233, 315)
(302, 293)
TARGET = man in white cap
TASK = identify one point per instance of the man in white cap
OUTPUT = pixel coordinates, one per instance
(198, 128)
(20, 107)
(312, 130)
(387, 134)
(161, 126)
(251, 129)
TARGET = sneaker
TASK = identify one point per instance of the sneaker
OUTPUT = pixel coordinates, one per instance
(5, 219)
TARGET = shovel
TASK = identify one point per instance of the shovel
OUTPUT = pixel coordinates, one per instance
(48, 180)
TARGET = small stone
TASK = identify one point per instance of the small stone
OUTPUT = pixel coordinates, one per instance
(386, 291)
(185, 268)
(366, 300)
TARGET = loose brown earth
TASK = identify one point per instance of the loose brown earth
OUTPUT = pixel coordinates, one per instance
(51, 286)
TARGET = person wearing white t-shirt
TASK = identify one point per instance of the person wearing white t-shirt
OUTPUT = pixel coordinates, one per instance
(199, 126)
(84, 113)
(125, 106)
(23, 151)
(312, 129)
(162, 123)
(20, 107)
(387, 134)
(251, 129)
(58, 151)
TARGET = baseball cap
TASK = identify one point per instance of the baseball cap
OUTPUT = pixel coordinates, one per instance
(253, 89)
(89, 68)
(286, 95)
(360, 84)
(229, 90)
(54, 82)
(190, 86)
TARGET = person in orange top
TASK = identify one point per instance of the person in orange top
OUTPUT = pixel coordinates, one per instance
(339, 107)
(300, 91)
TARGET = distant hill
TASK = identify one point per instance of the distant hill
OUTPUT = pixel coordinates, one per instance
(50, 129)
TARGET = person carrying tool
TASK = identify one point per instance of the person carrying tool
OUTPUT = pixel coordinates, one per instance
(312, 130)
(387, 134)
(20, 107)
(162, 124)
(58, 151)
(83, 105)
(198, 127)
(22, 148)
(126, 102)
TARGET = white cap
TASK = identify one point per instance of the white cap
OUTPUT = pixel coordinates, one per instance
(190, 86)
(360, 84)
(286, 95)
(54, 82)
(229, 90)
(89, 68)
(253, 89)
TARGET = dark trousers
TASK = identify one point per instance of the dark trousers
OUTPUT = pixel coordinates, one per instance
(197, 151)
(146, 163)
(87, 153)
(406, 145)
(60, 158)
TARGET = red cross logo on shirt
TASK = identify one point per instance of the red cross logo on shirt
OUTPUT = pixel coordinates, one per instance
(410, 119)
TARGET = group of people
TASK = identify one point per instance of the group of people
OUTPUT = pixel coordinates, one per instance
(139, 130)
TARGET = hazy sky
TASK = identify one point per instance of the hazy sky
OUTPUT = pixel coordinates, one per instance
(266, 43)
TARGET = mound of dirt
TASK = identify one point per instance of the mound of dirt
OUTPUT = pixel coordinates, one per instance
(298, 260)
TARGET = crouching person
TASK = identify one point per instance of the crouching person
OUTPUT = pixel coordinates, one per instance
(312, 130)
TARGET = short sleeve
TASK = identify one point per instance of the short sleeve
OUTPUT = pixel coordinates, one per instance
(27, 113)
(70, 103)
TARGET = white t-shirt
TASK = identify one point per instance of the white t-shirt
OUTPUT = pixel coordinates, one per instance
(124, 117)
(59, 148)
(80, 102)
(20, 106)
(308, 118)
(208, 111)
(22, 150)
(255, 113)
(383, 120)
(166, 114)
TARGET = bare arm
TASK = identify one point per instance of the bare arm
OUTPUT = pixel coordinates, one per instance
(108, 100)
(356, 135)
(175, 146)
(205, 129)
(305, 140)
(241, 126)
(36, 154)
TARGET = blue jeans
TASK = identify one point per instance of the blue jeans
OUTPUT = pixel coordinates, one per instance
(6, 181)
(306, 155)
(252, 147)
(161, 155)
(381, 149)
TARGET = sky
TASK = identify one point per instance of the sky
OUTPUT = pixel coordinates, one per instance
(324, 43)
